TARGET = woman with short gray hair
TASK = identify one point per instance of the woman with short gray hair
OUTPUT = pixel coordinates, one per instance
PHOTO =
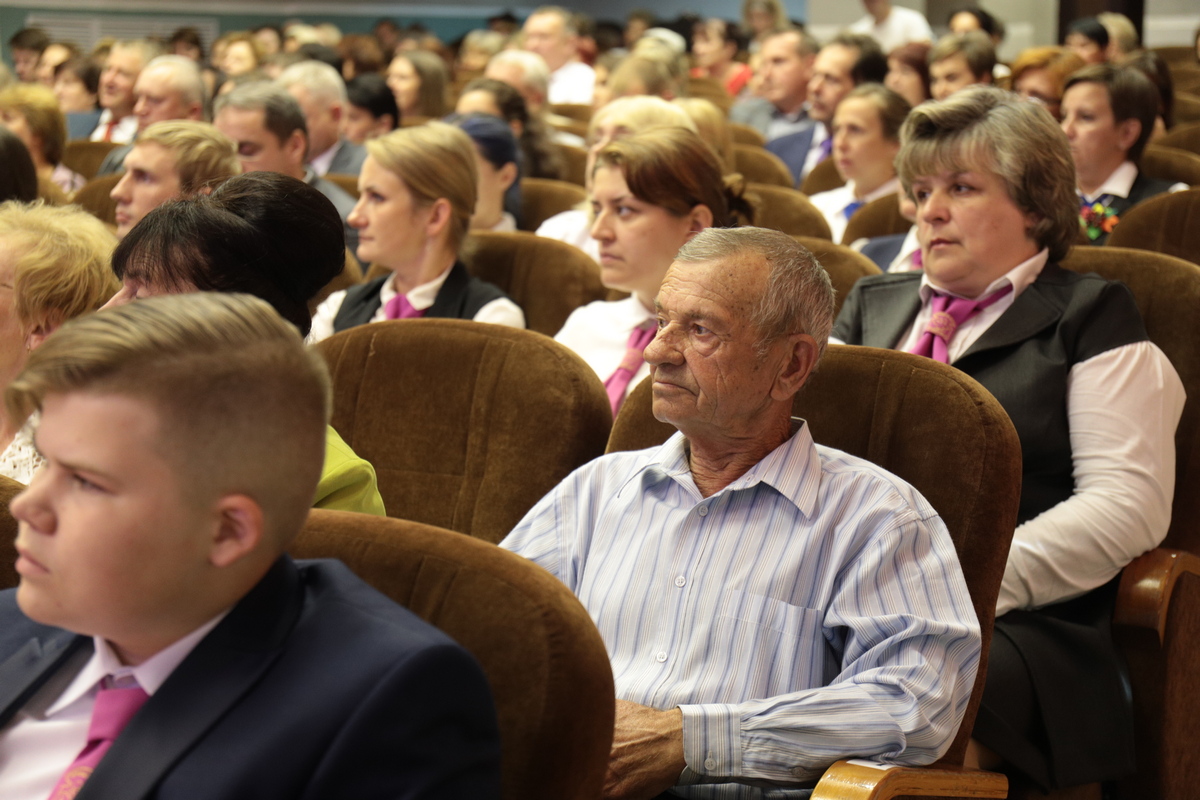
(1094, 402)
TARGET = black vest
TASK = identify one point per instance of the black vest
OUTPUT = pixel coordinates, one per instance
(1023, 359)
(460, 297)
(1143, 188)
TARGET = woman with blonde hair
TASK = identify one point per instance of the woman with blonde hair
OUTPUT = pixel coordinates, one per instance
(651, 193)
(623, 117)
(31, 112)
(417, 193)
(55, 267)
(713, 127)
(420, 80)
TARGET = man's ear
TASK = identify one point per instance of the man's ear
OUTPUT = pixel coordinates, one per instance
(799, 362)
(239, 530)
(297, 147)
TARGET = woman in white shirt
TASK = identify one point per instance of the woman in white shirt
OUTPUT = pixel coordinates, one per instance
(866, 139)
(54, 266)
(623, 117)
(418, 189)
(651, 193)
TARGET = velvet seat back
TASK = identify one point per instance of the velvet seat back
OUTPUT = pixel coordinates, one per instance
(95, 198)
(786, 210)
(824, 177)
(542, 198)
(845, 266)
(928, 423)
(1170, 163)
(467, 424)
(880, 217)
(543, 657)
(85, 156)
(1166, 223)
(759, 165)
(8, 534)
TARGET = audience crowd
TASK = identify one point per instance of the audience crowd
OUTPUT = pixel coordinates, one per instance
(769, 605)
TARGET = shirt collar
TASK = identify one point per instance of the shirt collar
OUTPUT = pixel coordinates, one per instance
(150, 674)
(798, 115)
(320, 164)
(1019, 277)
(1118, 184)
(793, 469)
(419, 297)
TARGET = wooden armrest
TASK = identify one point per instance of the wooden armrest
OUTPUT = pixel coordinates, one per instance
(860, 780)
(1146, 586)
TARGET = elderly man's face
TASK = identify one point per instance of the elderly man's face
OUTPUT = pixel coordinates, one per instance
(158, 99)
(706, 371)
(546, 35)
(120, 73)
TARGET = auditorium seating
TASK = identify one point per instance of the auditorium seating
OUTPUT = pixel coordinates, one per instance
(786, 210)
(85, 157)
(575, 159)
(1171, 164)
(95, 198)
(467, 424)
(1184, 137)
(544, 659)
(880, 217)
(845, 266)
(745, 134)
(347, 183)
(761, 166)
(824, 176)
(1168, 223)
(542, 198)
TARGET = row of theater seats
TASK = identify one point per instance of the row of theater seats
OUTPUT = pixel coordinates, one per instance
(503, 414)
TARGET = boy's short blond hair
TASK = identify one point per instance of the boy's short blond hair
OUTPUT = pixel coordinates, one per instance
(242, 405)
(204, 157)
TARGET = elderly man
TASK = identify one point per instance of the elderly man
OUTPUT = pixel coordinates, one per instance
(551, 32)
(124, 64)
(169, 88)
(271, 134)
(769, 605)
(847, 61)
(785, 68)
(321, 93)
(170, 160)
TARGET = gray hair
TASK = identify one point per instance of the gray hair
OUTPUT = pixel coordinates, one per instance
(534, 72)
(570, 22)
(185, 79)
(147, 49)
(319, 79)
(982, 128)
(281, 113)
(798, 296)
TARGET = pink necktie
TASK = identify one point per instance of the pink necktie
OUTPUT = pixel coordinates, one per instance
(399, 308)
(112, 711)
(618, 382)
(948, 313)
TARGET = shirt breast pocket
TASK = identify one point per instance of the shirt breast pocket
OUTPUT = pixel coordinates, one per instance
(778, 646)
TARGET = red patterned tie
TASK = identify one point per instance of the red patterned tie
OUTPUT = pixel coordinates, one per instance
(948, 313)
(112, 711)
(399, 308)
(618, 382)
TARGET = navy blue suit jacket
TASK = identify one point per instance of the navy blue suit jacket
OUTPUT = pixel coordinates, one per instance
(313, 686)
(793, 149)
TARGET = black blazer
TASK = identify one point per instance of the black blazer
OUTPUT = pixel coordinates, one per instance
(313, 686)
(461, 297)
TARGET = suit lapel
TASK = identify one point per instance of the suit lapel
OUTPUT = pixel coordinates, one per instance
(24, 672)
(1031, 313)
(890, 310)
(211, 680)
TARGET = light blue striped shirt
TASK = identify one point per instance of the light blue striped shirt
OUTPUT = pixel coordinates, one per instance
(812, 610)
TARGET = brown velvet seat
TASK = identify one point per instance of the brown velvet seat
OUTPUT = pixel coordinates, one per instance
(8, 533)
(712, 90)
(824, 176)
(784, 209)
(95, 198)
(51, 192)
(1171, 164)
(1183, 137)
(85, 157)
(879, 217)
(467, 424)
(1168, 223)
(580, 112)
(1158, 608)
(761, 166)
(543, 657)
(1187, 107)
(845, 266)
(542, 198)
(941, 431)
(347, 183)
(575, 161)
(745, 134)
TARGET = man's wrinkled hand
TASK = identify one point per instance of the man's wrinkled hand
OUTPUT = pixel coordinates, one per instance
(647, 752)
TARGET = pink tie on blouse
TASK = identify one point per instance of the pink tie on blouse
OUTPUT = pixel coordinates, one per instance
(111, 713)
(399, 308)
(618, 382)
(948, 313)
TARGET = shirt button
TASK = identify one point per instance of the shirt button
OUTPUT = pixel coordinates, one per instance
(710, 764)
(702, 511)
(661, 657)
(680, 581)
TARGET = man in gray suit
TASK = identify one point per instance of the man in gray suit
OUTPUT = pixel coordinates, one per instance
(271, 135)
(783, 74)
(321, 93)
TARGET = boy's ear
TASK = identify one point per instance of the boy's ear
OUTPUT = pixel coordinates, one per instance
(239, 531)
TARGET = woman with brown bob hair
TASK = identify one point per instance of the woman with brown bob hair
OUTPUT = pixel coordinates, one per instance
(417, 193)
(1094, 402)
(651, 193)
